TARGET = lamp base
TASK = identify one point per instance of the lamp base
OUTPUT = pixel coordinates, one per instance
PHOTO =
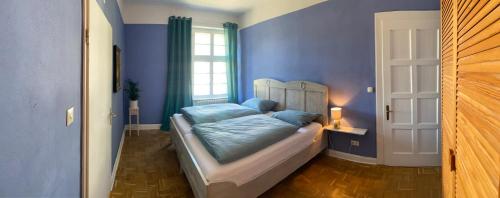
(336, 124)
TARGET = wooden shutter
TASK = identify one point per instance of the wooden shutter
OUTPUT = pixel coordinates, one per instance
(448, 93)
(471, 97)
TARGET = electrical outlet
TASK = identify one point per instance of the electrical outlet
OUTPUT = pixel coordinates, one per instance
(70, 118)
(354, 143)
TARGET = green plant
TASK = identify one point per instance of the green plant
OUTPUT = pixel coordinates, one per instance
(132, 90)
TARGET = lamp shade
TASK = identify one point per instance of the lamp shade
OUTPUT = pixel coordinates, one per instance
(336, 113)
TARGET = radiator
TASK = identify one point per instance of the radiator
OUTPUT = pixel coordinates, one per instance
(209, 101)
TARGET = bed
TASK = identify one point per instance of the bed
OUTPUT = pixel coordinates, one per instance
(254, 174)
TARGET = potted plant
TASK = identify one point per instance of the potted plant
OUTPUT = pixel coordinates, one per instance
(133, 93)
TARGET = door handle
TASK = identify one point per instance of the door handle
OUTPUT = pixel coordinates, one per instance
(387, 111)
(111, 116)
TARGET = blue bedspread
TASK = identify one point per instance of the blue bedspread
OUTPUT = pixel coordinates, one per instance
(232, 139)
(215, 112)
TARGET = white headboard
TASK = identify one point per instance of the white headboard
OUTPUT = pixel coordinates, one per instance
(295, 95)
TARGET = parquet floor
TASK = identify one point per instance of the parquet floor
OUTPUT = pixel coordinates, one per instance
(148, 169)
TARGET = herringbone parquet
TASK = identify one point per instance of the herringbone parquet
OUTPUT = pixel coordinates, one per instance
(148, 169)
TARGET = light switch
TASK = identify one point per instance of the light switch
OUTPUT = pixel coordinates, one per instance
(70, 116)
(369, 89)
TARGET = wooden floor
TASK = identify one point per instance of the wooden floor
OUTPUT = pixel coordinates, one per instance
(148, 169)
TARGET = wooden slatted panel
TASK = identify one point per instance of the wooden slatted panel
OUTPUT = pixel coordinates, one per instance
(478, 101)
(480, 26)
(448, 94)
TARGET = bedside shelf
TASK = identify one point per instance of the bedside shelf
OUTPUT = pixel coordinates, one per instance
(349, 130)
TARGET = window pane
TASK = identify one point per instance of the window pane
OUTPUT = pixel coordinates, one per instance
(219, 50)
(201, 67)
(220, 67)
(201, 38)
(201, 90)
(220, 78)
(218, 39)
(203, 50)
(220, 89)
(203, 79)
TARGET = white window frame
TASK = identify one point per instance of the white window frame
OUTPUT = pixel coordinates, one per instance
(207, 58)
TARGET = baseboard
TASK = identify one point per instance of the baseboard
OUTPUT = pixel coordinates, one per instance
(117, 160)
(351, 157)
(145, 126)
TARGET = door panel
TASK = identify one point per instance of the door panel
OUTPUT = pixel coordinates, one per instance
(471, 97)
(448, 93)
(100, 89)
(410, 71)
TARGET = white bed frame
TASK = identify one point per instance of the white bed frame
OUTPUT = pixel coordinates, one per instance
(298, 95)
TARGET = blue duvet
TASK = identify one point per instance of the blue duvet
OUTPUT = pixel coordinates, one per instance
(232, 139)
(215, 112)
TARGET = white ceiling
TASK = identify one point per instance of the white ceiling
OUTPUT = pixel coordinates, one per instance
(209, 12)
(236, 7)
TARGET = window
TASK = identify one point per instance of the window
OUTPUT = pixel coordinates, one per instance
(209, 65)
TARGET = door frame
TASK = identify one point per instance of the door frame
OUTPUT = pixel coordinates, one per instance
(379, 78)
(84, 101)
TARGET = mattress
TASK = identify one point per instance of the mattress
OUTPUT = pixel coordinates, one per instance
(250, 167)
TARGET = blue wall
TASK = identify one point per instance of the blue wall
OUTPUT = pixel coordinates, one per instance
(147, 63)
(40, 62)
(330, 43)
(112, 12)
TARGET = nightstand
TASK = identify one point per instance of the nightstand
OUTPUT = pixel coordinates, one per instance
(133, 112)
(348, 130)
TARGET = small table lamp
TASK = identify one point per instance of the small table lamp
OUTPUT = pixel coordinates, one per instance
(336, 113)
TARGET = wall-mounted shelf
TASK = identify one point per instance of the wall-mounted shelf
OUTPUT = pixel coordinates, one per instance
(348, 130)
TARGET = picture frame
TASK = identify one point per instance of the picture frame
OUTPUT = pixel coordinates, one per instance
(116, 68)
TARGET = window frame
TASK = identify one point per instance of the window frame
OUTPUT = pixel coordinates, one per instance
(207, 58)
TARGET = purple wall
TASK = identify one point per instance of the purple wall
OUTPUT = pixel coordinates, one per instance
(331, 43)
(147, 63)
(112, 12)
(40, 63)
(40, 58)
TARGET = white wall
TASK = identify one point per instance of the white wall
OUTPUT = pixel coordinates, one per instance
(158, 13)
(271, 9)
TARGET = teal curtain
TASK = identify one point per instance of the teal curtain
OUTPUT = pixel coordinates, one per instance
(231, 38)
(179, 76)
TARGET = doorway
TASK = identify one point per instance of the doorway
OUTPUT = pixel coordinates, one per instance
(408, 83)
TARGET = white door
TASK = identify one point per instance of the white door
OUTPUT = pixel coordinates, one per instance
(100, 89)
(408, 57)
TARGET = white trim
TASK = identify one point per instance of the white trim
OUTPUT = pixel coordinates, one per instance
(117, 160)
(145, 127)
(208, 28)
(379, 90)
(351, 157)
